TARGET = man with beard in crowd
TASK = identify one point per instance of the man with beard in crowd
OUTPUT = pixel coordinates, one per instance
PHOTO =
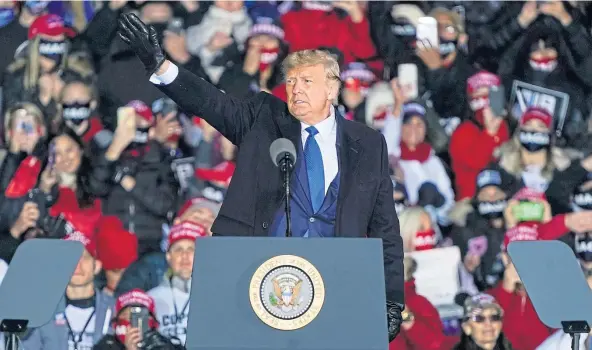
(350, 192)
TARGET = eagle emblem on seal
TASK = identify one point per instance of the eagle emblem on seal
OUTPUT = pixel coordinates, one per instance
(286, 292)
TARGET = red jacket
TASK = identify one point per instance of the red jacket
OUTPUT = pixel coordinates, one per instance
(311, 29)
(427, 332)
(471, 150)
(522, 325)
(94, 126)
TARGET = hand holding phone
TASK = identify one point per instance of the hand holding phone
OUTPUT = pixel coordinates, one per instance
(529, 211)
(139, 318)
(427, 32)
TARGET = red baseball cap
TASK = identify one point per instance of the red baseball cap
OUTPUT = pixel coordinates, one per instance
(537, 113)
(220, 173)
(186, 230)
(520, 233)
(135, 297)
(86, 239)
(116, 247)
(51, 25)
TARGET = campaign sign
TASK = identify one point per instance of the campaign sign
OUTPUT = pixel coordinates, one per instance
(525, 95)
(183, 169)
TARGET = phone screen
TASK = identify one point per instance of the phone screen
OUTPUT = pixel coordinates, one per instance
(51, 158)
(407, 79)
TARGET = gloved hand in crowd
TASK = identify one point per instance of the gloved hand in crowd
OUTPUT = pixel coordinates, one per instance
(143, 40)
(394, 318)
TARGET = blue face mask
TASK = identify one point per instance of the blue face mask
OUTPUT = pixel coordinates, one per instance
(6, 16)
(36, 7)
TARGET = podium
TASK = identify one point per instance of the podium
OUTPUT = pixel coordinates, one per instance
(555, 284)
(34, 284)
(287, 293)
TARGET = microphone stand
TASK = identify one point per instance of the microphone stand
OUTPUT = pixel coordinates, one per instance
(285, 167)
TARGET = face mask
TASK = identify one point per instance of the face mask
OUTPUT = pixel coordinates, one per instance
(54, 50)
(425, 240)
(447, 47)
(534, 141)
(479, 103)
(6, 16)
(141, 135)
(583, 247)
(492, 210)
(583, 199)
(544, 64)
(76, 113)
(268, 56)
(36, 7)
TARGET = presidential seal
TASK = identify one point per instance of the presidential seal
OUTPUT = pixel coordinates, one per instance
(287, 292)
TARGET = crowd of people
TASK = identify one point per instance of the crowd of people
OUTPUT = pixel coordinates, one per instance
(94, 152)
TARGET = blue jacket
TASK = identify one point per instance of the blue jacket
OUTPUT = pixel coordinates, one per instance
(54, 334)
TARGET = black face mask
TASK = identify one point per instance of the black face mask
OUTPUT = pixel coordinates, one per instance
(534, 141)
(405, 31)
(583, 246)
(491, 210)
(447, 47)
(141, 136)
(76, 112)
(583, 199)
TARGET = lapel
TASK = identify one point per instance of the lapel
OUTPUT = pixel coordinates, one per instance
(349, 154)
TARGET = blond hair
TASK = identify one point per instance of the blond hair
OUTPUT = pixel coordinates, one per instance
(410, 222)
(29, 108)
(313, 58)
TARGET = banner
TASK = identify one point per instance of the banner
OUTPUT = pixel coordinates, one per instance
(526, 95)
(183, 169)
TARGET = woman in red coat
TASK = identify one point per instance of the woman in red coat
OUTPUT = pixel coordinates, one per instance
(421, 328)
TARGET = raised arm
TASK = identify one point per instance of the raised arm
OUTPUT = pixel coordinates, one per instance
(230, 116)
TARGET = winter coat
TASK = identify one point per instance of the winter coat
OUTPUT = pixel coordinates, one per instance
(427, 330)
(54, 335)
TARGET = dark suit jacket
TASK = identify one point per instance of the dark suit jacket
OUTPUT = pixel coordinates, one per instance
(365, 206)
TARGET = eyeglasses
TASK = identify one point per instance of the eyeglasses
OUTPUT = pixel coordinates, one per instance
(490, 318)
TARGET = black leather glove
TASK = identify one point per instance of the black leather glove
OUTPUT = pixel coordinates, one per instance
(143, 40)
(394, 318)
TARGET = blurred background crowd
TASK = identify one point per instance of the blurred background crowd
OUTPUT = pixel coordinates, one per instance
(487, 131)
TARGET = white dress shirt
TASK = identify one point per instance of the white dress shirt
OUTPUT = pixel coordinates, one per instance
(326, 138)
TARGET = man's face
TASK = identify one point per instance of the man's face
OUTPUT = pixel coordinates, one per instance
(309, 93)
(180, 258)
(156, 13)
(85, 270)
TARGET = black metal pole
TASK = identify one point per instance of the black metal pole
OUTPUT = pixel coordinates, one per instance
(575, 341)
(286, 167)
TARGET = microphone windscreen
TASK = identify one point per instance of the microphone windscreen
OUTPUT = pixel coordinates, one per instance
(279, 148)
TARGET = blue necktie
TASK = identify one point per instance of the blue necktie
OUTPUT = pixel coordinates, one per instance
(314, 169)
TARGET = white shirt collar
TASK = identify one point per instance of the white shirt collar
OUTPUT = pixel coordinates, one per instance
(325, 128)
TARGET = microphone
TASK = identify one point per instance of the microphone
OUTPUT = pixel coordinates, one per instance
(283, 155)
(282, 151)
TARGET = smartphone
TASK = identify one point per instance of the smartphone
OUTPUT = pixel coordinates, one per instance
(497, 100)
(126, 116)
(477, 246)
(529, 211)
(427, 31)
(176, 26)
(139, 317)
(407, 79)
